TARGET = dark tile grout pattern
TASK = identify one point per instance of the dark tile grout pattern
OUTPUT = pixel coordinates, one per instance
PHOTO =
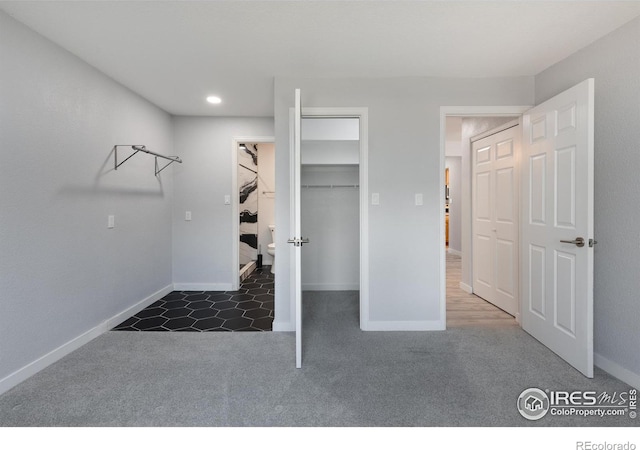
(248, 309)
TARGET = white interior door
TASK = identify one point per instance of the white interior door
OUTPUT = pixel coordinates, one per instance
(557, 232)
(296, 241)
(495, 216)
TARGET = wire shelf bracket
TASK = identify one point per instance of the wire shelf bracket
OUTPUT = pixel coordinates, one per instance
(143, 148)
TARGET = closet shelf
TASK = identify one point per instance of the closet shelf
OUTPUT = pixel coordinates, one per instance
(143, 148)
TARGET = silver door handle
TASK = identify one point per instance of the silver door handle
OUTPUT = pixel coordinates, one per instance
(297, 242)
(579, 242)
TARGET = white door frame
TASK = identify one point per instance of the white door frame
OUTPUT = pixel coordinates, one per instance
(235, 200)
(461, 111)
(363, 169)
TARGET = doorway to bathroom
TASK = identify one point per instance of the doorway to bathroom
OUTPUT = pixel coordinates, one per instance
(253, 207)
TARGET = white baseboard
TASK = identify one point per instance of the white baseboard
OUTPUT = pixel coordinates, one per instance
(202, 287)
(331, 287)
(453, 251)
(36, 366)
(400, 325)
(465, 287)
(615, 369)
(403, 325)
(283, 326)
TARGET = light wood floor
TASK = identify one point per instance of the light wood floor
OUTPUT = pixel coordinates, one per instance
(464, 309)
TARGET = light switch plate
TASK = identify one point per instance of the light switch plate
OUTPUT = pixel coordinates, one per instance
(227, 199)
(419, 200)
(375, 198)
(111, 221)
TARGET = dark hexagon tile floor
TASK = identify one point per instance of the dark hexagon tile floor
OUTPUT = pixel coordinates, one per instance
(248, 309)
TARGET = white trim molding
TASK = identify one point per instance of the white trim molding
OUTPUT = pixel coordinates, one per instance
(465, 287)
(283, 326)
(404, 325)
(46, 360)
(203, 287)
(615, 369)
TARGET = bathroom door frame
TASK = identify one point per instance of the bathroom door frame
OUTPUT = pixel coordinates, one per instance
(235, 202)
(361, 113)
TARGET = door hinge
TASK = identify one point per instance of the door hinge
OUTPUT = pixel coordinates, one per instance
(297, 242)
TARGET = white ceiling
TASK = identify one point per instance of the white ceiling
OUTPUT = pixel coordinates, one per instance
(175, 53)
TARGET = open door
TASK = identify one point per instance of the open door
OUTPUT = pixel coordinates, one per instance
(296, 240)
(557, 225)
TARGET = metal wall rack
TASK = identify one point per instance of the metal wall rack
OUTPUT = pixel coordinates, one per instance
(143, 148)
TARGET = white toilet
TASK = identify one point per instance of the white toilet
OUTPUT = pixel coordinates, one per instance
(271, 248)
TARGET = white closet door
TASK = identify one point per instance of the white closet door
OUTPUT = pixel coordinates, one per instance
(296, 241)
(495, 217)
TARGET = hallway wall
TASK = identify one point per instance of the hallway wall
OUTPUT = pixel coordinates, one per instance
(64, 275)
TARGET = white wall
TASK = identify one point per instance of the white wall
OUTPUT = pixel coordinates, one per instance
(330, 129)
(266, 196)
(202, 247)
(404, 159)
(63, 274)
(331, 220)
(454, 163)
(614, 62)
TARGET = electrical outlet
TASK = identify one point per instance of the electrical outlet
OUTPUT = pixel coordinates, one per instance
(187, 215)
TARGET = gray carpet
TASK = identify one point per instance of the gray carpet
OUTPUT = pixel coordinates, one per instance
(459, 377)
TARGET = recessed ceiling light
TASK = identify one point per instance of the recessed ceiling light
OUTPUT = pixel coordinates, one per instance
(213, 99)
